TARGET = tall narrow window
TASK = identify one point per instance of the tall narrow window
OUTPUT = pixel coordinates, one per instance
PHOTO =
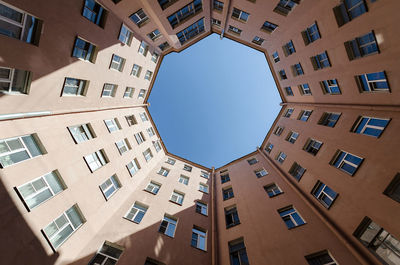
(168, 225)
(137, 212)
(199, 238)
(361, 46)
(346, 162)
(74, 87)
(125, 35)
(282, 74)
(349, 10)
(157, 146)
(133, 167)
(225, 178)
(59, 230)
(17, 149)
(297, 69)
(142, 93)
(143, 116)
(136, 69)
(82, 133)
(96, 160)
(268, 148)
(148, 75)
(41, 189)
(324, 194)
(148, 155)
(139, 137)
(139, 18)
(275, 56)
(231, 216)
(278, 131)
(370, 126)
(109, 253)
(110, 186)
(94, 12)
(291, 217)
(289, 91)
(154, 57)
(237, 252)
(311, 34)
(150, 131)
(227, 193)
(84, 50)
(297, 171)
(14, 81)
(288, 48)
(143, 48)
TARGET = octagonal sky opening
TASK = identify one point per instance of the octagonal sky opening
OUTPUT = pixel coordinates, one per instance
(214, 101)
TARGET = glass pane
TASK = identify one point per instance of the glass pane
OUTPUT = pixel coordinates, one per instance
(14, 144)
(39, 198)
(61, 236)
(74, 217)
(31, 145)
(111, 251)
(39, 184)
(15, 158)
(170, 230)
(10, 30)
(50, 230)
(26, 190)
(10, 13)
(139, 217)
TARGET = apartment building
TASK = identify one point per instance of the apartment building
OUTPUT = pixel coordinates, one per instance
(86, 178)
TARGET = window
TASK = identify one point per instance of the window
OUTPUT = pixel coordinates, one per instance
(227, 193)
(14, 81)
(240, 15)
(143, 116)
(297, 69)
(278, 131)
(291, 217)
(305, 89)
(285, 6)
(378, 240)
(94, 12)
(112, 125)
(187, 168)
(311, 34)
(148, 75)
(129, 92)
(237, 252)
(139, 18)
(393, 189)
(361, 46)
(203, 187)
(165, 4)
(157, 146)
(123, 146)
(74, 87)
(346, 162)
(150, 131)
(289, 91)
(312, 146)
(163, 171)
(17, 24)
(282, 74)
(117, 63)
(191, 31)
(109, 253)
(133, 167)
(269, 26)
(147, 155)
(41, 189)
(231, 216)
(234, 30)
(272, 190)
(183, 179)
(110, 186)
(199, 238)
(155, 34)
(154, 57)
(324, 194)
(257, 40)
(370, 126)
(322, 258)
(109, 90)
(153, 187)
(329, 119)
(216, 22)
(297, 171)
(131, 120)
(304, 115)
(260, 173)
(225, 178)
(139, 137)
(142, 93)
(17, 149)
(125, 35)
(204, 174)
(59, 230)
(268, 148)
(320, 61)
(82, 133)
(275, 56)
(168, 225)
(201, 208)
(349, 10)
(288, 48)
(164, 46)
(136, 69)
(373, 82)
(252, 161)
(185, 13)
(170, 161)
(96, 160)
(330, 87)
(292, 137)
(217, 5)
(84, 50)
(143, 48)
(177, 197)
(137, 212)
(281, 157)
(288, 113)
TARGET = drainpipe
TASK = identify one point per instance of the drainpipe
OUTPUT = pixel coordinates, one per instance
(348, 106)
(228, 7)
(214, 253)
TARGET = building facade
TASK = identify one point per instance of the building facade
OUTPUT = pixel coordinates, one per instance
(86, 178)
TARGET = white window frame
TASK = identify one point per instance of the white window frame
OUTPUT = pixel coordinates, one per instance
(323, 194)
(96, 160)
(131, 120)
(366, 125)
(203, 206)
(157, 146)
(143, 48)
(177, 197)
(153, 187)
(305, 114)
(143, 116)
(139, 208)
(261, 173)
(154, 57)
(274, 189)
(123, 146)
(203, 187)
(80, 88)
(126, 38)
(163, 171)
(281, 157)
(115, 184)
(109, 90)
(204, 174)
(139, 137)
(184, 180)
(344, 161)
(148, 75)
(83, 130)
(117, 63)
(112, 125)
(133, 167)
(292, 137)
(200, 234)
(148, 155)
(136, 69)
(150, 131)
(169, 220)
(142, 93)
(305, 89)
(170, 161)
(187, 168)
(106, 256)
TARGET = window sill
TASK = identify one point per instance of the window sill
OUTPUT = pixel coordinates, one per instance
(175, 203)
(205, 251)
(152, 193)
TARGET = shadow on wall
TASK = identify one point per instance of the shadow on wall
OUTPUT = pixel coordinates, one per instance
(18, 242)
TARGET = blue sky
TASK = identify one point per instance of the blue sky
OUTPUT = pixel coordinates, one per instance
(214, 102)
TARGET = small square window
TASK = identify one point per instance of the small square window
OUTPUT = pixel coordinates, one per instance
(272, 190)
(281, 157)
(110, 186)
(139, 18)
(291, 217)
(260, 173)
(346, 162)
(227, 193)
(252, 161)
(168, 225)
(163, 172)
(297, 171)
(201, 208)
(324, 194)
(137, 212)
(187, 168)
(240, 15)
(177, 197)
(312, 146)
(153, 187)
